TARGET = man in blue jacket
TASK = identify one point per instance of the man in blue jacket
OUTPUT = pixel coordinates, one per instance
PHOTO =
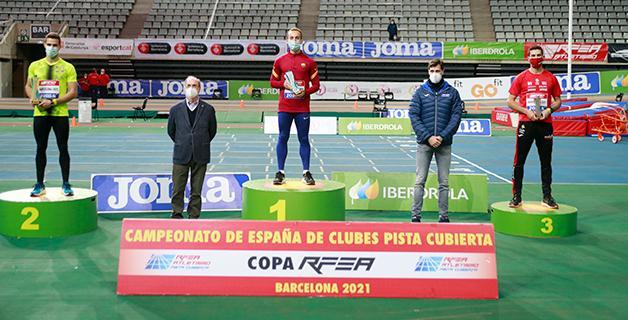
(435, 111)
(191, 126)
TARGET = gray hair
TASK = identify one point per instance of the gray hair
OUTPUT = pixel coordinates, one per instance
(192, 78)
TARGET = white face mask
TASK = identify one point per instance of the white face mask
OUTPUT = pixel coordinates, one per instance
(191, 93)
(436, 77)
(52, 52)
(294, 46)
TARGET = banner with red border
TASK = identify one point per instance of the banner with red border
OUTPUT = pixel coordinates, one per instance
(581, 51)
(335, 259)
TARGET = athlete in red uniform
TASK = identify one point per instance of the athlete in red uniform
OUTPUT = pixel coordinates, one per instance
(539, 93)
(296, 77)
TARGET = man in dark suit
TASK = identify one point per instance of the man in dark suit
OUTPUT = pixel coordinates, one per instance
(191, 126)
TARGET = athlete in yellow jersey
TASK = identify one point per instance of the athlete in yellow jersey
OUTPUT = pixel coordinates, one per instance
(51, 85)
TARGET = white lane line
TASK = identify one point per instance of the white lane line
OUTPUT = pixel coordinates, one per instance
(481, 168)
(461, 170)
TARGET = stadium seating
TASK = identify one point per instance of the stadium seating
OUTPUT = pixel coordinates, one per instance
(418, 20)
(594, 21)
(448, 20)
(233, 20)
(100, 19)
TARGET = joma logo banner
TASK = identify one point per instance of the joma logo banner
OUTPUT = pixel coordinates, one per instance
(152, 192)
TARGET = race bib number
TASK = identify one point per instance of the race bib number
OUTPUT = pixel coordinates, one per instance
(289, 94)
(535, 100)
(48, 89)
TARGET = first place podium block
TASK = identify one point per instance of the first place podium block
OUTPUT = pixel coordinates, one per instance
(261, 200)
(51, 215)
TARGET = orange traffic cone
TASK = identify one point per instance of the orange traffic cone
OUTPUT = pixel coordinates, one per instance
(74, 123)
(241, 104)
(355, 105)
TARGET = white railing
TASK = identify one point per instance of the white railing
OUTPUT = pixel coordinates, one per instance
(211, 20)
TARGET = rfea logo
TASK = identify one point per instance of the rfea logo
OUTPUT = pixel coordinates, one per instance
(159, 262)
(428, 264)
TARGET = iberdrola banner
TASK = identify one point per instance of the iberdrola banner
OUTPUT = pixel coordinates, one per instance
(395, 191)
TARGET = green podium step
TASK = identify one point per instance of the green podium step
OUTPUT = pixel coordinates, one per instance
(533, 219)
(261, 200)
(51, 215)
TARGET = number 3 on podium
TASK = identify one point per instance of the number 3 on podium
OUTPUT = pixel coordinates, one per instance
(29, 223)
(280, 208)
(548, 225)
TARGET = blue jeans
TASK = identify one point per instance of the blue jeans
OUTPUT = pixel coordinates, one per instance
(424, 155)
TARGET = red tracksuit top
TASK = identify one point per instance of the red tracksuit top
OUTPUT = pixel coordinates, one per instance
(305, 71)
(103, 80)
(93, 79)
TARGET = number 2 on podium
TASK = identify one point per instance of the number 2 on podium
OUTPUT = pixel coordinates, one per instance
(29, 224)
(280, 208)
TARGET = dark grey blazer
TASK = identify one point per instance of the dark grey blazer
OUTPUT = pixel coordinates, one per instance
(191, 142)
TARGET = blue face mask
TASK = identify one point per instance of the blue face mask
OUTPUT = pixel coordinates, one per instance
(294, 46)
(52, 52)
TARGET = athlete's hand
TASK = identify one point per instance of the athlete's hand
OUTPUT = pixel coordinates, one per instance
(435, 141)
(531, 115)
(545, 114)
(35, 102)
(287, 85)
(300, 93)
(45, 104)
(439, 141)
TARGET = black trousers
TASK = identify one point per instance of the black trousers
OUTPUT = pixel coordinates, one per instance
(94, 92)
(41, 129)
(540, 133)
(102, 92)
(180, 174)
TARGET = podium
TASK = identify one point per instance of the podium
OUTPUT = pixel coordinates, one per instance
(533, 219)
(294, 200)
(51, 215)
